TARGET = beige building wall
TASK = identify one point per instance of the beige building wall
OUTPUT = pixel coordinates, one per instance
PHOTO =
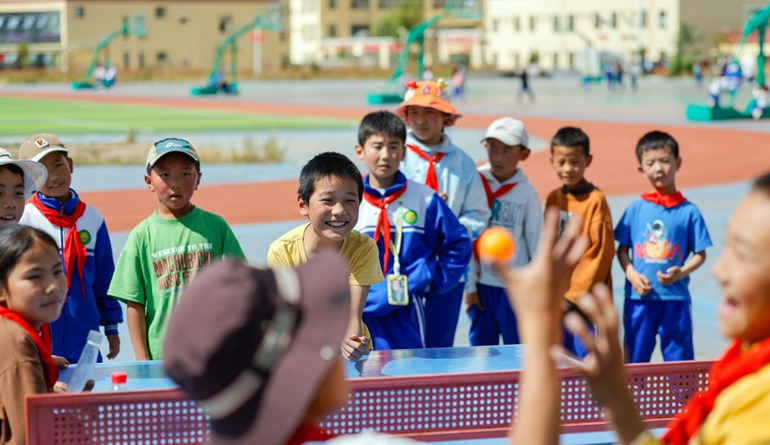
(711, 16)
(180, 34)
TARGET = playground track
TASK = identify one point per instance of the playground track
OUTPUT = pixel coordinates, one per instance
(711, 156)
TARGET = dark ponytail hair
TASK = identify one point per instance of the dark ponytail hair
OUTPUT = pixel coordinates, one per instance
(15, 241)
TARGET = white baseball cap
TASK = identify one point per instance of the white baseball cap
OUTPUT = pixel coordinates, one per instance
(509, 131)
(35, 173)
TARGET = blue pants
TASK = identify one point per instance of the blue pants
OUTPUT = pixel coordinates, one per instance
(441, 313)
(404, 328)
(496, 320)
(643, 320)
(573, 344)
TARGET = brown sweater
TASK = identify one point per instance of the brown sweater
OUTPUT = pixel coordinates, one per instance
(596, 264)
(21, 374)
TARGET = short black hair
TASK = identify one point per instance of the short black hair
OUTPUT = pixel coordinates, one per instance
(654, 140)
(15, 241)
(13, 168)
(762, 184)
(324, 165)
(381, 122)
(572, 137)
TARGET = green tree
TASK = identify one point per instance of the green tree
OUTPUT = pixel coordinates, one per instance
(687, 38)
(23, 52)
(407, 15)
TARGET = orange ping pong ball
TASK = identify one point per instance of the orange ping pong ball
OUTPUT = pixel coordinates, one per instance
(496, 244)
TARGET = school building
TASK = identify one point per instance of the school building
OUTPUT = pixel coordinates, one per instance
(167, 33)
(559, 33)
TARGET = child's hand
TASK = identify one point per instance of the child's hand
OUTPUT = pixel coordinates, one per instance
(61, 362)
(443, 196)
(114, 341)
(673, 274)
(639, 282)
(603, 366)
(354, 347)
(472, 299)
(60, 387)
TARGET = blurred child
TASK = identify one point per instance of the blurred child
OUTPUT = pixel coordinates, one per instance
(33, 288)
(82, 236)
(433, 159)
(515, 205)
(164, 252)
(570, 157)
(19, 180)
(661, 229)
(421, 243)
(329, 195)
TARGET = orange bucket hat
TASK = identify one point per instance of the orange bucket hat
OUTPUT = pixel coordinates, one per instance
(429, 94)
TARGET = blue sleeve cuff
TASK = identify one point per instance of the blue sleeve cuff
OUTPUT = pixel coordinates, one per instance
(111, 329)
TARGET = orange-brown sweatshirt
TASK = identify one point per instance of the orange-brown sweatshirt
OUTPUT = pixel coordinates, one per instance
(596, 264)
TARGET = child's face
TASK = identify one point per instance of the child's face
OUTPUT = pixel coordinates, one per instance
(11, 197)
(570, 164)
(503, 159)
(174, 179)
(60, 170)
(743, 271)
(427, 124)
(659, 166)
(36, 287)
(333, 207)
(382, 155)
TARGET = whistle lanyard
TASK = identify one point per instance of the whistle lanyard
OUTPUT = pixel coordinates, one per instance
(396, 248)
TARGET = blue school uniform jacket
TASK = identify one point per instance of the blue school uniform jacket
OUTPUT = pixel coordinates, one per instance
(435, 249)
(80, 315)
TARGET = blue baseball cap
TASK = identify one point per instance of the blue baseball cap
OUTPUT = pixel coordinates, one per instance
(171, 145)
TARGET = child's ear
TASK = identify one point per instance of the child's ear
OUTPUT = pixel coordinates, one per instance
(525, 152)
(148, 181)
(71, 164)
(199, 180)
(359, 152)
(640, 169)
(403, 152)
(678, 163)
(302, 206)
(589, 159)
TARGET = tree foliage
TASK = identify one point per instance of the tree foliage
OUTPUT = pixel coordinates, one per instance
(407, 15)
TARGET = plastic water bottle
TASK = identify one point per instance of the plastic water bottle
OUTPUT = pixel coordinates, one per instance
(119, 381)
(86, 367)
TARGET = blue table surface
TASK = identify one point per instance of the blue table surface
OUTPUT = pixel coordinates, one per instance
(150, 375)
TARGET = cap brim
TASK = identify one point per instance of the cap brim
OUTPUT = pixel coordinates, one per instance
(155, 160)
(295, 380)
(35, 175)
(46, 152)
(428, 102)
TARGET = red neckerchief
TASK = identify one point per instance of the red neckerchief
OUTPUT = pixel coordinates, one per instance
(74, 250)
(383, 222)
(430, 178)
(500, 192)
(667, 201)
(42, 340)
(733, 366)
(307, 432)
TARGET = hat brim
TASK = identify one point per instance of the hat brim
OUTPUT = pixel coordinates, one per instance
(295, 380)
(428, 101)
(48, 151)
(155, 160)
(35, 175)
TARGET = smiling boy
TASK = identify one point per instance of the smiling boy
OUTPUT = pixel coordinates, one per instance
(329, 195)
(164, 252)
(656, 236)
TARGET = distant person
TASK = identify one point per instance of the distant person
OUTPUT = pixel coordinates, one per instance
(111, 76)
(329, 196)
(84, 243)
(759, 104)
(458, 83)
(662, 239)
(525, 89)
(165, 252)
(100, 74)
(434, 160)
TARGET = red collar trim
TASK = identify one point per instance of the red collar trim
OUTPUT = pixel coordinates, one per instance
(667, 201)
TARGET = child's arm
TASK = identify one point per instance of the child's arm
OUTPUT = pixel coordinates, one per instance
(137, 327)
(451, 246)
(109, 308)
(675, 273)
(23, 379)
(355, 344)
(639, 282)
(474, 213)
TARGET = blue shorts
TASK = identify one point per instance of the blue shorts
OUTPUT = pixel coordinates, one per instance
(644, 320)
(495, 321)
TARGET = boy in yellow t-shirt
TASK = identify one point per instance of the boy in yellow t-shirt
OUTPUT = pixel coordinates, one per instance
(329, 195)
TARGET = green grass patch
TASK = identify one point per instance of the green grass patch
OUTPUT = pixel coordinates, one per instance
(22, 116)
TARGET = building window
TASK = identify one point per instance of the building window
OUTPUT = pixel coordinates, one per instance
(597, 21)
(532, 23)
(359, 4)
(570, 22)
(643, 19)
(162, 57)
(555, 60)
(332, 4)
(160, 12)
(387, 4)
(662, 19)
(332, 31)
(224, 24)
(556, 24)
(572, 61)
(126, 59)
(182, 20)
(80, 12)
(614, 20)
(517, 61)
(141, 61)
(359, 30)
(439, 4)
(495, 24)
(517, 24)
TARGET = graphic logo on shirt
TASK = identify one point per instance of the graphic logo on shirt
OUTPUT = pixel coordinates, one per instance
(564, 218)
(410, 217)
(657, 248)
(176, 266)
(508, 214)
(85, 236)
